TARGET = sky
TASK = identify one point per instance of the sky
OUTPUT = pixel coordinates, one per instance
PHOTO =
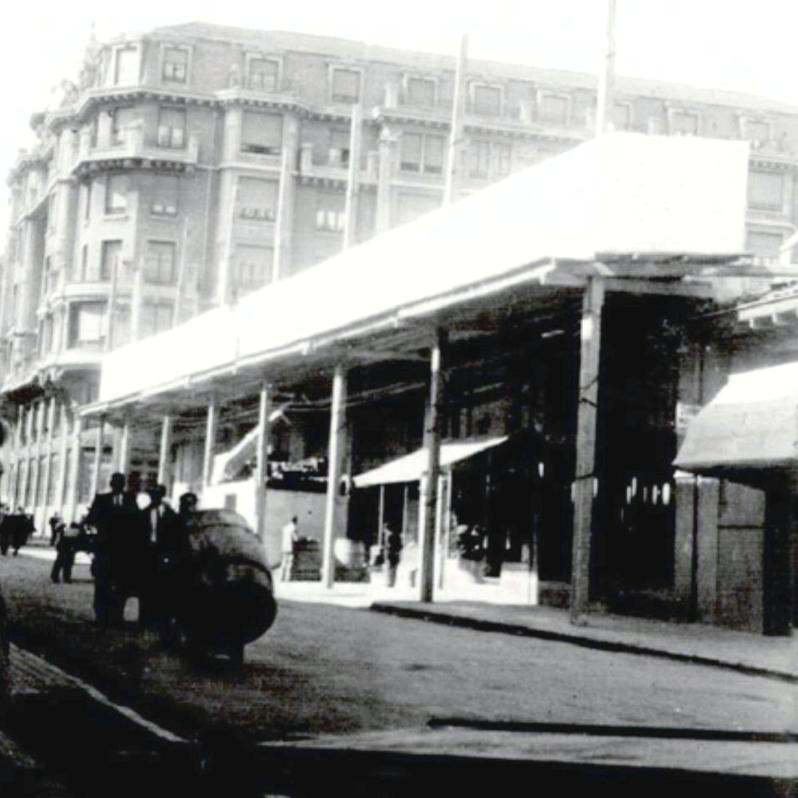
(737, 45)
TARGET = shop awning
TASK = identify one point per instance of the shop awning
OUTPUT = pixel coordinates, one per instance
(410, 467)
(748, 429)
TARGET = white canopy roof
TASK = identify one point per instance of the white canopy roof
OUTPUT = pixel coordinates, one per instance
(750, 426)
(623, 193)
(411, 467)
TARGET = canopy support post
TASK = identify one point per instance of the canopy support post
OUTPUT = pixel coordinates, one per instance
(429, 482)
(262, 460)
(335, 458)
(587, 417)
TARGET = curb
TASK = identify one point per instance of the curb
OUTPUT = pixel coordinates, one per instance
(583, 641)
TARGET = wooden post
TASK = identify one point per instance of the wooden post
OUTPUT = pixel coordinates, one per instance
(441, 528)
(74, 474)
(350, 208)
(453, 161)
(37, 483)
(210, 441)
(262, 459)
(63, 451)
(777, 561)
(335, 458)
(405, 504)
(48, 456)
(381, 521)
(607, 75)
(99, 445)
(429, 482)
(123, 461)
(165, 454)
(586, 445)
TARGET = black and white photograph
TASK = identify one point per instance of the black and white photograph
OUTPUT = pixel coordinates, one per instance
(399, 399)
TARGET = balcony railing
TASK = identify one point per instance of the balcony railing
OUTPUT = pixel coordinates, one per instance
(133, 146)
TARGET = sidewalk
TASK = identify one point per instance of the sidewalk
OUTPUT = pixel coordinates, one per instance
(476, 608)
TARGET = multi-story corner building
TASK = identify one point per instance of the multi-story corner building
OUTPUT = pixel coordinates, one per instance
(192, 164)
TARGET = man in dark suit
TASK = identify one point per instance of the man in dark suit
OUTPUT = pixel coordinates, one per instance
(164, 544)
(110, 514)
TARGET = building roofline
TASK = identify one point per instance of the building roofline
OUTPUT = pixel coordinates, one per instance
(633, 85)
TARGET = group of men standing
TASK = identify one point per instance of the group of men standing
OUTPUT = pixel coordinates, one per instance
(138, 546)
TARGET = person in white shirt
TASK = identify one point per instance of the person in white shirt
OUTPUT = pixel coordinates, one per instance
(290, 538)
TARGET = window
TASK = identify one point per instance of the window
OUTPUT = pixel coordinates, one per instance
(257, 199)
(116, 193)
(433, 154)
(339, 148)
(330, 213)
(126, 66)
(421, 153)
(175, 65)
(263, 74)
(252, 267)
(410, 160)
(684, 123)
(111, 252)
(765, 191)
(502, 159)
(345, 85)
(764, 244)
(486, 100)
(121, 119)
(86, 324)
(553, 108)
(172, 127)
(156, 316)
(165, 191)
(420, 91)
(479, 159)
(159, 265)
(261, 134)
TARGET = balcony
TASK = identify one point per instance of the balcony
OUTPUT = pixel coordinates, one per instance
(334, 169)
(281, 97)
(133, 151)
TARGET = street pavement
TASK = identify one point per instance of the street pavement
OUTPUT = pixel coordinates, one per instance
(330, 672)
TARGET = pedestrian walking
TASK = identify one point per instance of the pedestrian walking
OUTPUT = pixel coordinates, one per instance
(66, 547)
(393, 553)
(110, 514)
(290, 538)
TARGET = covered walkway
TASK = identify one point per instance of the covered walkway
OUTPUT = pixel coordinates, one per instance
(526, 262)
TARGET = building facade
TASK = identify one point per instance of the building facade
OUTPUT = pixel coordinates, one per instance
(190, 165)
